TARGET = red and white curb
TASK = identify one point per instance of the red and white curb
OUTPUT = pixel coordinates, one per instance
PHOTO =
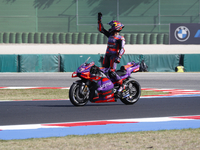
(100, 122)
(10, 132)
(169, 92)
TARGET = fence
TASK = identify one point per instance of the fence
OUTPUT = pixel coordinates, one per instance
(139, 16)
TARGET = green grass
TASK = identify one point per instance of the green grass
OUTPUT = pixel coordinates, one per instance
(145, 93)
(34, 94)
(187, 139)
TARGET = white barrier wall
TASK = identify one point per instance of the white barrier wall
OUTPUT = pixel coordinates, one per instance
(95, 49)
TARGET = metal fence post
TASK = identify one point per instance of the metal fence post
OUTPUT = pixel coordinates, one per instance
(77, 16)
(159, 14)
(199, 11)
(36, 19)
(118, 10)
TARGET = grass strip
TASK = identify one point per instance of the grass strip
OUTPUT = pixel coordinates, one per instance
(34, 94)
(188, 139)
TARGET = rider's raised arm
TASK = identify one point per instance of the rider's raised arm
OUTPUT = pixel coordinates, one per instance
(100, 26)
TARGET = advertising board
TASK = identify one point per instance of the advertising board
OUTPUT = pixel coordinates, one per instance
(184, 33)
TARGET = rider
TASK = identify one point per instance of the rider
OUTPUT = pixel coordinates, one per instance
(115, 47)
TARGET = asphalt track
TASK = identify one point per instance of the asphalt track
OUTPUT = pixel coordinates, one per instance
(36, 119)
(147, 80)
(35, 112)
(29, 112)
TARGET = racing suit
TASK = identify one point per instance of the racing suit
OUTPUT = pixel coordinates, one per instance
(115, 50)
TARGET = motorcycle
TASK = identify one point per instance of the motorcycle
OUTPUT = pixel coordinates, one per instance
(97, 86)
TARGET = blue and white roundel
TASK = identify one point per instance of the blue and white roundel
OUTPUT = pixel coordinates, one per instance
(182, 33)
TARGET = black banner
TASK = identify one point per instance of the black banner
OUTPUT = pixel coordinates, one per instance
(184, 33)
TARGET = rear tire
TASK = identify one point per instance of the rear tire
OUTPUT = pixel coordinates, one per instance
(76, 98)
(133, 92)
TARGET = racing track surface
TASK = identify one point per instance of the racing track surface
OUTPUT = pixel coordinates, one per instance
(147, 80)
(30, 112)
(12, 113)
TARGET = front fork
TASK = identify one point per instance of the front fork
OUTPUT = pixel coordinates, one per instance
(84, 86)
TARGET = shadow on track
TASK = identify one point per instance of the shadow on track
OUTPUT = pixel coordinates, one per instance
(88, 105)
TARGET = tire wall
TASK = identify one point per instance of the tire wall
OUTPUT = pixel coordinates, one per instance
(80, 38)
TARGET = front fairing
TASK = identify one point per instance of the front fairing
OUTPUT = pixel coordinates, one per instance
(85, 67)
(84, 70)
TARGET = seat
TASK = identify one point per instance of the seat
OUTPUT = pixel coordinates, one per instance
(121, 72)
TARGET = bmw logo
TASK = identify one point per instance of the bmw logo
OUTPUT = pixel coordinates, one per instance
(182, 33)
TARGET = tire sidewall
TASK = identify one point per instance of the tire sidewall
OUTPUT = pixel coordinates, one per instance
(127, 102)
(72, 99)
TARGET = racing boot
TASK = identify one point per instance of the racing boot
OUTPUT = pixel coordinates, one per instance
(118, 79)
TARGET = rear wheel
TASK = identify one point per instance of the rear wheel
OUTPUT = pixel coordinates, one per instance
(132, 92)
(77, 98)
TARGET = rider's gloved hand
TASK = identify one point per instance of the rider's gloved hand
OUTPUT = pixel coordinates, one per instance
(117, 60)
(99, 16)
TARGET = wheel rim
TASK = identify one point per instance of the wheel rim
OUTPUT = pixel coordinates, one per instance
(133, 91)
(79, 98)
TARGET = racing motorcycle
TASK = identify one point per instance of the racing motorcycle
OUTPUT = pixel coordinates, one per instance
(97, 85)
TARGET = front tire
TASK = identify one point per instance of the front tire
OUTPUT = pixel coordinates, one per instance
(132, 93)
(76, 98)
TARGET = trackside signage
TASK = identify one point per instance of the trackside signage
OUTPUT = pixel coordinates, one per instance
(184, 33)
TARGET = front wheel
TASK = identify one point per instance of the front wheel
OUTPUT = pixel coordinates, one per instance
(132, 92)
(77, 98)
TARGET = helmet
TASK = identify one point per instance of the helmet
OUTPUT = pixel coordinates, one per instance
(115, 26)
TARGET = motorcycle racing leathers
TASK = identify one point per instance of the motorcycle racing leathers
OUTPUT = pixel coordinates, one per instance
(115, 50)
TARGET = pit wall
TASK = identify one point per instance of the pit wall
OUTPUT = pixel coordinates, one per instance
(70, 62)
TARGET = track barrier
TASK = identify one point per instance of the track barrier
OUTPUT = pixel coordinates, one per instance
(191, 62)
(80, 38)
(70, 62)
